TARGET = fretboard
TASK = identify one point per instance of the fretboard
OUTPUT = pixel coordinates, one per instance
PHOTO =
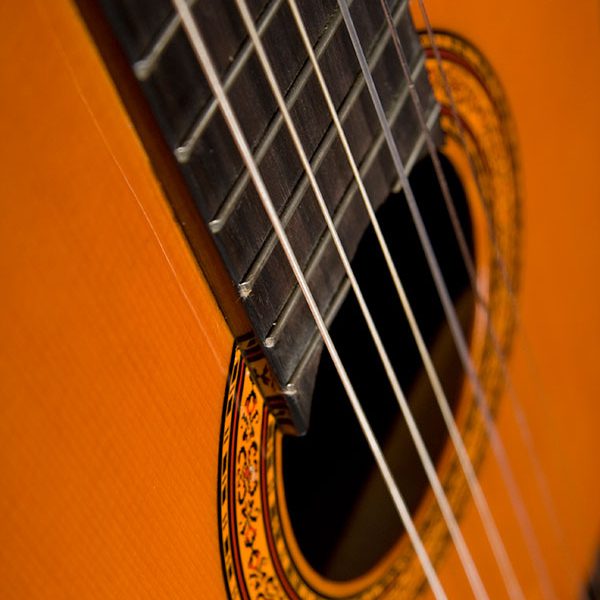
(188, 116)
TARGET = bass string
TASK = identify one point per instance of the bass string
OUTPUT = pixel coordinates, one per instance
(522, 422)
(206, 63)
(519, 412)
(490, 527)
(457, 537)
(498, 448)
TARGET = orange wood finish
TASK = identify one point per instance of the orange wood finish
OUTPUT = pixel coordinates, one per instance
(547, 57)
(113, 354)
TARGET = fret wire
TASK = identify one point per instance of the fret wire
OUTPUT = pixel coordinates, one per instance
(501, 556)
(462, 549)
(315, 341)
(520, 416)
(293, 94)
(144, 67)
(206, 63)
(263, 146)
(184, 151)
(477, 493)
(316, 161)
(352, 189)
(456, 331)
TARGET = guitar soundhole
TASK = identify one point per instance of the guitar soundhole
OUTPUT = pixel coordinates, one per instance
(342, 516)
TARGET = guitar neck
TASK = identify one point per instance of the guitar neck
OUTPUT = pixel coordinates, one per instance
(168, 74)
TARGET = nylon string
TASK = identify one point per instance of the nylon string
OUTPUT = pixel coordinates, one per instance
(496, 443)
(206, 63)
(491, 529)
(520, 416)
(521, 419)
(462, 549)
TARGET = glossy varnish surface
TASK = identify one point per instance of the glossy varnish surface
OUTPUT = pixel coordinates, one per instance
(113, 355)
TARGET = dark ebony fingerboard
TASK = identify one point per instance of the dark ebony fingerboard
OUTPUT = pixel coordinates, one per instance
(166, 68)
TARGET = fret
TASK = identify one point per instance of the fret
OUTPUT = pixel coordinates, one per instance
(168, 69)
(184, 151)
(215, 164)
(351, 196)
(306, 225)
(291, 98)
(144, 66)
(293, 329)
(270, 289)
(303, 378)
(278, 159)
(176, 87)
(344, 111)
(217, 223)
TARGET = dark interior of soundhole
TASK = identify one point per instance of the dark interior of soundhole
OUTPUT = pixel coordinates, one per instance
(342, 516)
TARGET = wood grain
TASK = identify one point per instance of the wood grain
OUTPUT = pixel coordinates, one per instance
(113, 354)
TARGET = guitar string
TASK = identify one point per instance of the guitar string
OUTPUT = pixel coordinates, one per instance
(293, 0)
(521, 419)
(323, 150)
(490, 527)
(496, 443)
(284, 107)
(200, 50)
(461, 546)
(524, 429)
(184, 151)
(519, 412)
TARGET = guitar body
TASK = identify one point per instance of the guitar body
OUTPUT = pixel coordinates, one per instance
(114, 355)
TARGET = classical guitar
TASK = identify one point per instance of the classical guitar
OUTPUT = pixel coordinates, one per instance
(299, 299)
